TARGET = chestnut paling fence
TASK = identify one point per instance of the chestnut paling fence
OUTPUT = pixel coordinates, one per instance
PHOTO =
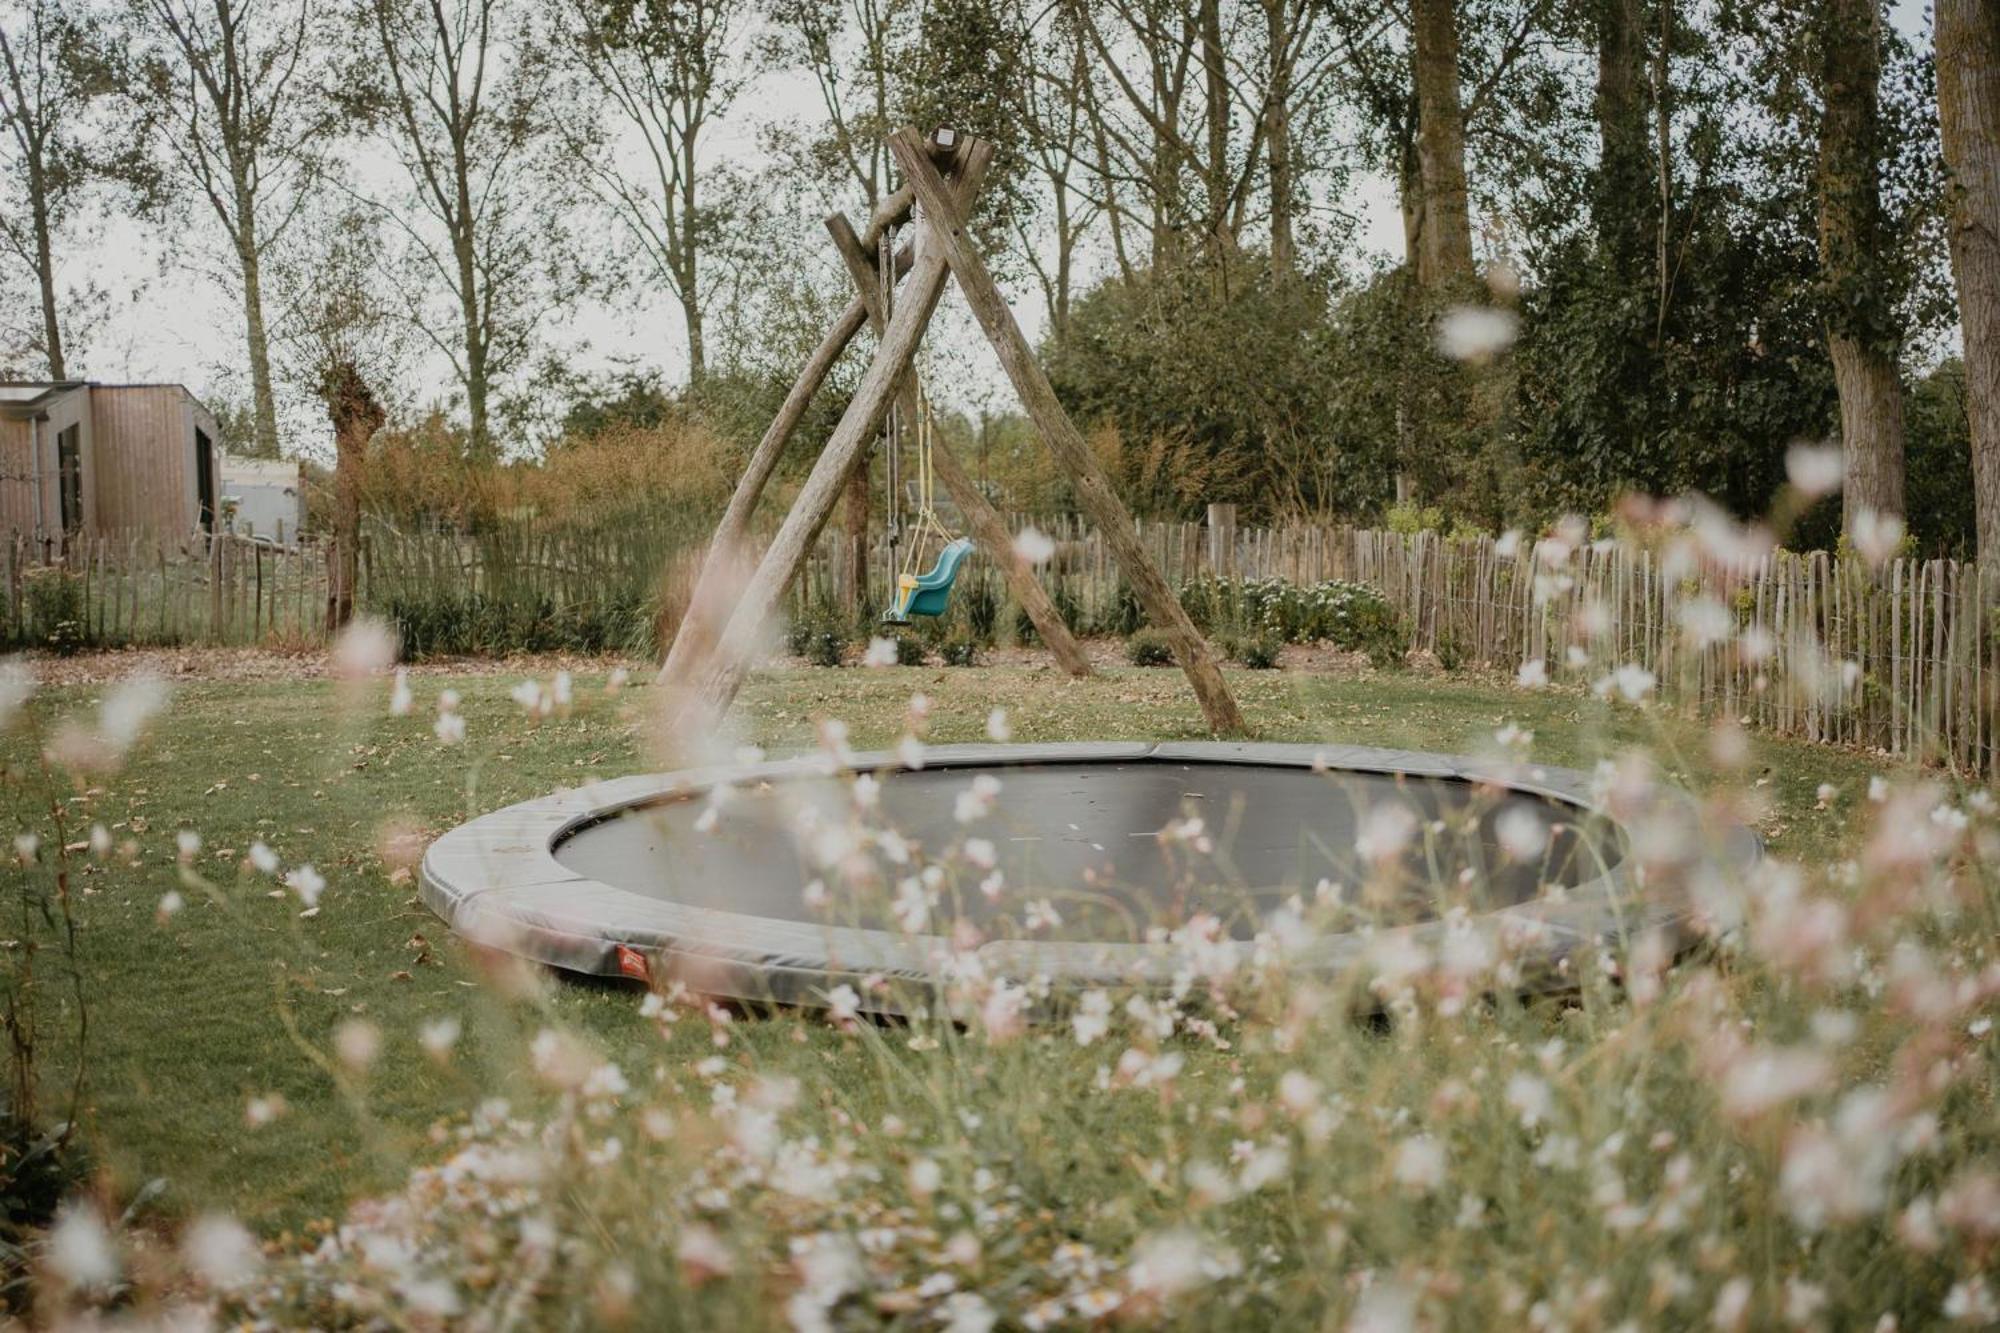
(1900, 657)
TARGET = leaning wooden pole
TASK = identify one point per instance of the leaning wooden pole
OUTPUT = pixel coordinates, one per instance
(988, 529)
(714, 682)
(945, 233)
(709, 600)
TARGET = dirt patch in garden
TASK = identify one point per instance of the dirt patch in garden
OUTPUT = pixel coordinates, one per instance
(265, 664)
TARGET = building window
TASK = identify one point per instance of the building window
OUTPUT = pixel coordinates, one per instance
(204, 481)
(69, 476)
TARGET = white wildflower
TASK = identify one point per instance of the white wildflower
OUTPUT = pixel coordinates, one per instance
(1034, 547)
(965, 1312)
(400, 700)
(1705, 621)
(1168, 1263)
(1477, 333)
(1531, 1099)
(1385, 831)
(438, 1036)
(1386, 1306)
(17, 686)
(221, 1251)
(80, 1251)
(357, 1042)
(1522, 833)
(1876, 536)
(1972, 1302)
(130, 706)
(1092, 1018)
(1814, 469)
(308, 883)
(1419, 1164)
(367, 645)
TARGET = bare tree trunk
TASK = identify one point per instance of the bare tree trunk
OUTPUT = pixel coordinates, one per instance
(690, 278)
(1278, 135)
(475, 336)
(1861, 337)
(1968, 79)
(45, 273)
(262, 400)
(1215, 75)
(356, 416)
(1444, 255)
(1663, 122)
(1621, 136)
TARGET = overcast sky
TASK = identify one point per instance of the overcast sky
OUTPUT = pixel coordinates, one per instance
(172, 322)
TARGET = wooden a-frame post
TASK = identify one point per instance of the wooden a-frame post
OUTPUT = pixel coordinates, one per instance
(708, 604)
(988, 529)
(712, 681)
(944, 233)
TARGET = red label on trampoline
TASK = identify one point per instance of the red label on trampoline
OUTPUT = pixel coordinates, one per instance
(633, 963)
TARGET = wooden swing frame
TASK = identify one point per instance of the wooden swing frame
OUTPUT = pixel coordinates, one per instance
(721, 633)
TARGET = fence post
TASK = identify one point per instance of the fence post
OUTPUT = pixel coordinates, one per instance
(1222, 540)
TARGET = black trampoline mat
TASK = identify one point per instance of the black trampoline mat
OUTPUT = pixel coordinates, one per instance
(1086, 836)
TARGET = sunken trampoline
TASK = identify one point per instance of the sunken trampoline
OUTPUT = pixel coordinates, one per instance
(774, 887)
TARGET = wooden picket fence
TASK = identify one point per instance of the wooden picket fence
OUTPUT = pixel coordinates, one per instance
(1900, 657)
(148, 589)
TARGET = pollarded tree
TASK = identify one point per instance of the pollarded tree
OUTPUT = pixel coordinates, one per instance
(56, 61)
(1968, 79)
(227, 90)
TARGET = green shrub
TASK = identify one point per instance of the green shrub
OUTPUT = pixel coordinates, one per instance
(1123, 616)
(1259, 653)
(1148, 648)
(982, 610)
(458, 625)
(1408, 519)
(1451, 651)
(960, 651)
(1201, 599)
(57, 617)
(1067, 606)
(909, 650)
(826, 647)
(803, 629)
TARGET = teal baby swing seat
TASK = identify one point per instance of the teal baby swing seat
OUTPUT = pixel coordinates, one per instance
(928, 594)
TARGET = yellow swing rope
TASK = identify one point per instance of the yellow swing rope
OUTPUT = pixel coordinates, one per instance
(927, 525)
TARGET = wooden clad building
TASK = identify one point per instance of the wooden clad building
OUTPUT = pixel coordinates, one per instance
(81, 457)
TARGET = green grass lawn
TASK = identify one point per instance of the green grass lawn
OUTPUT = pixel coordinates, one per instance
(235, 996)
